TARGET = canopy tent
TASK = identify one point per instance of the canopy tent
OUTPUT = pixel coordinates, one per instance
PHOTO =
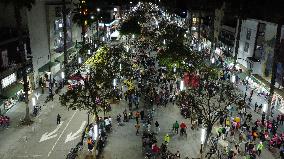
(115, 34)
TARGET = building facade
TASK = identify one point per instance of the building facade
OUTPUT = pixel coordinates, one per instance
(256, 51)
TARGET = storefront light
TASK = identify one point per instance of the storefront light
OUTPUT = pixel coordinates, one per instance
(8, 80)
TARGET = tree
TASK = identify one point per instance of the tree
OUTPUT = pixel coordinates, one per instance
(210, 103)
(130, 26)
(274, 67)
(20, 5)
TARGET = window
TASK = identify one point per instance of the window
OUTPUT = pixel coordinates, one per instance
(246, 47)
(248, 34)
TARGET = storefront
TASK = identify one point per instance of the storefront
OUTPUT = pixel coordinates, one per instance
(11, 92)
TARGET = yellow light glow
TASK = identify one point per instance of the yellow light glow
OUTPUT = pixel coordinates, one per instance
(85, 22)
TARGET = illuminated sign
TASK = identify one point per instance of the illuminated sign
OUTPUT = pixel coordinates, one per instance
(8, 80)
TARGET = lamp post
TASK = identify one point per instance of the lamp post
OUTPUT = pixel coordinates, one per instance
(202, 139)
(181, 85)
(98, 11)
(62, 76)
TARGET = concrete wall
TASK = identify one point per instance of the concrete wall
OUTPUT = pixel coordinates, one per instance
(242, 55)
(38, 37)
(7, 18)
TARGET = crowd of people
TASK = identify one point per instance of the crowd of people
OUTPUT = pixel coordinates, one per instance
(4, 121)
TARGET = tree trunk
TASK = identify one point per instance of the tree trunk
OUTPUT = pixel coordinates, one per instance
(274, 69)
(199, 25)
(18, 18)
(208, 134)
(83, 35)
(212, 35)
(237, 40)
(64, 35)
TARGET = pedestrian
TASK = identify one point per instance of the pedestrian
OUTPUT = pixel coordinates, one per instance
(255, 106)
(90, 144)
(142, 114)
(137, 126)
(175, 127)
(167, 139)
(177, 154)
(58, 119)
(259, 148)
(157, 127)
(137, 117)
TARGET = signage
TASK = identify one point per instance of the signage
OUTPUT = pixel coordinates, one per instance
(8, 80)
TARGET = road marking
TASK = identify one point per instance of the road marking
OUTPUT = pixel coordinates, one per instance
(61, 134)
(71, 137)
(47, 136)
(29, 156)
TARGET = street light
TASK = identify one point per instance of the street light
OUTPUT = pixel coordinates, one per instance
(233, 79)
(264, 108)
(202, 138)
(213, 60)
(62, 75)
(114, 82)
(33, 101)
(181, 85)
(175, 68)
(79, 60)
(98, 9)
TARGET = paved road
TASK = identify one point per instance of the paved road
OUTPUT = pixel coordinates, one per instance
(24, 141)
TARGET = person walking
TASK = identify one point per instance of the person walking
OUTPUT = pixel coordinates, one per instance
(58, 119)
(167, 139)
(255, 106)
(259, 148)
(176, 126)
(137, 126)
(157, 127)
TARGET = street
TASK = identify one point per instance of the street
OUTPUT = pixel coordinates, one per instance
(44, 138)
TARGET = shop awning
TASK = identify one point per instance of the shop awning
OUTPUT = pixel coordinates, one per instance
(242, 75)
(60, 59)
(46, 67)
(12, 90)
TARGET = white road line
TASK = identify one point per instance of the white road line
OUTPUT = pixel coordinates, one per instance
(61, 134)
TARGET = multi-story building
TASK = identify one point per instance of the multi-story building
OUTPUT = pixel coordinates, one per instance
(256, 51)
(11, 66)
(43, 39)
